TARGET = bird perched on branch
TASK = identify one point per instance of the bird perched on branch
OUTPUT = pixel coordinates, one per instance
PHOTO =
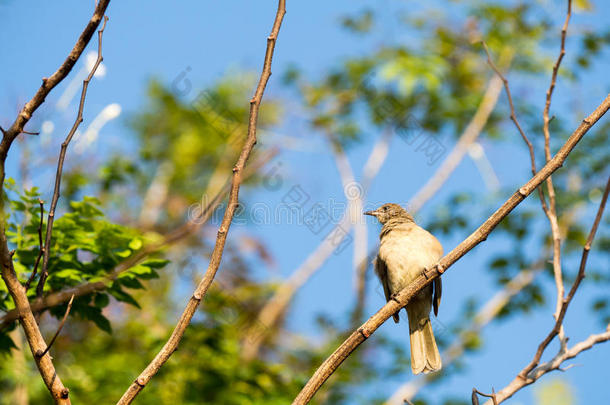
(405, 250)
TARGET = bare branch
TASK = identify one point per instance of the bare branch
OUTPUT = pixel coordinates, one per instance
(176, 336)
(552, 211)
(480, 234)
(553, 364)
(49, 83)
(60, 164)
(40, 247)
(61, 325)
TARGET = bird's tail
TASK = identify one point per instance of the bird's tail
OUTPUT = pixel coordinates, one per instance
(424, 353)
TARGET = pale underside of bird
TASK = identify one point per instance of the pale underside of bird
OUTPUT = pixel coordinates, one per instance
(405, 251)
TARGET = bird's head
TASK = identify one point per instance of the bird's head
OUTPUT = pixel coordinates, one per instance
(390, 211)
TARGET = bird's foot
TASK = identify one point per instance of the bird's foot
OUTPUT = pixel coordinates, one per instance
(393, 297)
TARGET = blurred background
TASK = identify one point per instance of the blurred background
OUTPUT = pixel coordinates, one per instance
(369, 102)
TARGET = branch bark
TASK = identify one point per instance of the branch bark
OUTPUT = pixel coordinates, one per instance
(480, 234)
(174, 340)
(60, 164)
(49, 83)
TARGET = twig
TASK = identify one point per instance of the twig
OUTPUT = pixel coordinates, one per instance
(61, 325)
(60, 164)
(480, 234)
(40, 247)
(566, 301)
(552, 212)
(468, 137)
(475, 399)
(553, 364)
(49, 83)
(176, 336)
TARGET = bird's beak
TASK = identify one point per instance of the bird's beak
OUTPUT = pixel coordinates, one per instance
(371, 213)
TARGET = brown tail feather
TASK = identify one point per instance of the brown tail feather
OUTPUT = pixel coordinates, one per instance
(424, 352)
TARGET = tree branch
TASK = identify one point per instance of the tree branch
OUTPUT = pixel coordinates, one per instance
(60, 164)
(552, 211)
(402, 298)
(49, 83)
(531, 372)
(59, 328)
(176, 336)
(40, 247)
(553, 364)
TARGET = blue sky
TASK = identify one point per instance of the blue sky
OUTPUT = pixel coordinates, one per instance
(161, 39)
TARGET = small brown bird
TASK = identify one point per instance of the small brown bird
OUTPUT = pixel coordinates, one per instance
(405, 250)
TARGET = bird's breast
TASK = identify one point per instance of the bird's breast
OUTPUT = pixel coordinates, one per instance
(407, 253)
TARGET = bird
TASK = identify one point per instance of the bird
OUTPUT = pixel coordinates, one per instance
(405, 251)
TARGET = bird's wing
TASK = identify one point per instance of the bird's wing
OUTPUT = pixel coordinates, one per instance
(438, 291)
(437, 249)
(382, 272)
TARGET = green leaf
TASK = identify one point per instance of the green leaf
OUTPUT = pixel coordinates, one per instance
(135, 244)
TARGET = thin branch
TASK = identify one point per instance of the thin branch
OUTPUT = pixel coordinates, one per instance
(49, 83)
(61, 325)
(553, 364)
(402, 298)
(40, 247)
(475, 399)
(60, 164)
(468, 137)
(552, 211)
(533, 371)
(566, 302)
(174, 340)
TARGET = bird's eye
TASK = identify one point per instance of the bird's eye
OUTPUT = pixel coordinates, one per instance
(385, 208)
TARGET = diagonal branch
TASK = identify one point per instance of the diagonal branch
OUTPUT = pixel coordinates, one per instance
(552, 211)
(480, 234)
(174, 340)
(553, 364)
(49, 83)
(40, 247)
(59, 328)
(60, 164)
